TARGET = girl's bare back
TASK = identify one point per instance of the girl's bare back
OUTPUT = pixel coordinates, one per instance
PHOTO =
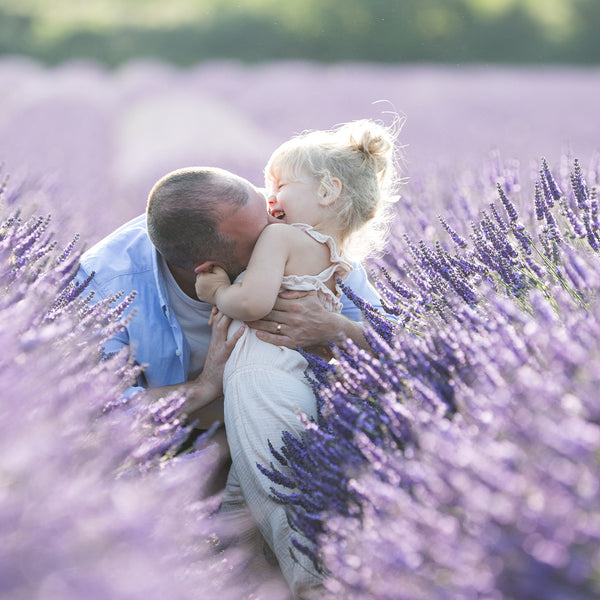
(307, 256)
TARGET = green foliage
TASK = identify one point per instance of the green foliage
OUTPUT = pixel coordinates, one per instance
(185, 32)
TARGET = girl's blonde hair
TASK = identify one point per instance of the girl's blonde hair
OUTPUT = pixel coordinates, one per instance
(361, 154)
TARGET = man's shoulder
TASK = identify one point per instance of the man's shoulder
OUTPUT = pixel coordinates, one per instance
(358, 282)
(124, 253)
(358, 275)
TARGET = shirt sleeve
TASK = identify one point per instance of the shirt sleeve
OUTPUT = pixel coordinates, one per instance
(117, 342)
(358, 282)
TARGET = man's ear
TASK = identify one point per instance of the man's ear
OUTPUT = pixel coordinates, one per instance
(332, 192)
(205, 267)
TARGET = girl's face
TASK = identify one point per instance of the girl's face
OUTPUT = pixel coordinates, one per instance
(295, 199)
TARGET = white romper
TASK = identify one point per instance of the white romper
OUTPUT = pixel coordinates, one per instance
(265, 387)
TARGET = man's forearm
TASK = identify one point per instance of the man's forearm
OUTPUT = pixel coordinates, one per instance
(209, 414)
(342, 328)
(338, 332)
(203, 402)
(355, 331)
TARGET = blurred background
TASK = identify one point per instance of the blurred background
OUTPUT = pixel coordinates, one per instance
(101, 97)
(184, 32)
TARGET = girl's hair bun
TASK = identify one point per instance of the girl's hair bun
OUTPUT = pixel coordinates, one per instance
(374, 141)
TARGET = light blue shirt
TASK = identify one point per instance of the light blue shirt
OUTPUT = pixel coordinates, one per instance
(126, 261)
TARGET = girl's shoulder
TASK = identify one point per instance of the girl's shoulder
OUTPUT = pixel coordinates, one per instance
(294, 240)
(297, 237)
(283, 231)
(277, 228)
(282, 237)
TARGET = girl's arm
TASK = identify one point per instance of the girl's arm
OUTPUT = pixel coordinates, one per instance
(255, 295)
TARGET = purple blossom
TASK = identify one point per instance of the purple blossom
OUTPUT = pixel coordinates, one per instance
(456, 238)
(477, 510)
(551, 190)
(580, 188)
(513, 215)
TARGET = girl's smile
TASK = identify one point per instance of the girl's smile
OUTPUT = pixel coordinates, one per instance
(295, 200)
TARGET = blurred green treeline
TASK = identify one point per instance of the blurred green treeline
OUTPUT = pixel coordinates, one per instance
(184, 32)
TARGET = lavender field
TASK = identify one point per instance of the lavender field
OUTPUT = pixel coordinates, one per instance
(460, 461)
(101, 138)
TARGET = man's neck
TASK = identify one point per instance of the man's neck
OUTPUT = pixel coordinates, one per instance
(185, 280)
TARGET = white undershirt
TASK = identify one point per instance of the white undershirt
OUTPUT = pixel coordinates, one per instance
(193, 317)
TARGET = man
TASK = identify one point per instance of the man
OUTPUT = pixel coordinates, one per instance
(194, 216)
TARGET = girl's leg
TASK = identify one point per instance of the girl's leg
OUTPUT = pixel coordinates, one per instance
(261, 403)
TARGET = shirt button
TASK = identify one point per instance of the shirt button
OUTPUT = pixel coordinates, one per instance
(178, 352)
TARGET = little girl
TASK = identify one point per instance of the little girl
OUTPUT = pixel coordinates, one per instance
(328, 189)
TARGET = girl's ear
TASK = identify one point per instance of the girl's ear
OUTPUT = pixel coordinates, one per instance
(332, 192)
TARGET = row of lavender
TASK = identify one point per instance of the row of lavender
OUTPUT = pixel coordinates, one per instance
(461, 461)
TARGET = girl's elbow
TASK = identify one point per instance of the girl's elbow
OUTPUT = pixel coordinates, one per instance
(256, 314)
(256, 310)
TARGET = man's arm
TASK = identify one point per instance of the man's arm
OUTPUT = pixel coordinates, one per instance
(299, 319)
(204, 395)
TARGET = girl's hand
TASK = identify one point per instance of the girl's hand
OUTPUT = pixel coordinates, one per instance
(208, 283)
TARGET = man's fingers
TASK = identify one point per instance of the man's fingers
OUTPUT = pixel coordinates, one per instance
(224, 321)
(214, 313)
(220, 319)
(286, 298)
(275, 339)
(231, 342)
(265, 325)
(294, 294)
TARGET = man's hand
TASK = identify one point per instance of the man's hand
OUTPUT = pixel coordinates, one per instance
(209, 384)
(208, 283)
(299, 319)
(205, 393)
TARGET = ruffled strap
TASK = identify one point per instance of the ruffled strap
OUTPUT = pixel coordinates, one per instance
(339, 265)
(339, 268)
